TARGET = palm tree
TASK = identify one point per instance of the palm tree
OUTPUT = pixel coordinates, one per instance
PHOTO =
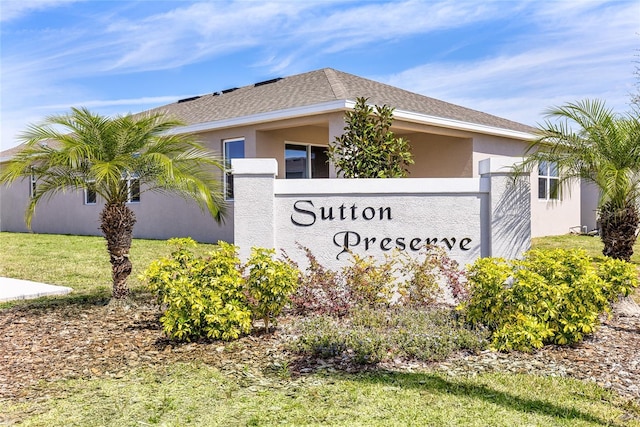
(83, 150)
(587, 141)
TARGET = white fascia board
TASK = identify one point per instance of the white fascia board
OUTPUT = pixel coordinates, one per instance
(460, 125)
(345, 104)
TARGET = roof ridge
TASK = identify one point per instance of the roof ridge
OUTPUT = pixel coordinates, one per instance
(338, 89)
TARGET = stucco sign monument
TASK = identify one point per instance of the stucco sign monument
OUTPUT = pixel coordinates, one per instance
(468, 217)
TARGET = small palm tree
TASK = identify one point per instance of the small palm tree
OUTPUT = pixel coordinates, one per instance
(82, 150)
(588, 141)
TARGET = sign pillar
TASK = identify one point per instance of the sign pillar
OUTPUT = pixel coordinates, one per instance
(253, 206)
(509, 210)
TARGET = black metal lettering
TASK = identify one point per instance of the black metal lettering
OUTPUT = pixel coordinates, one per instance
(463, 244)
(310, 221)
(388, 212)
(353, 212)
(384, 244)
(413, 244)
(324, 215)
(346, 242)
(370, 215)
(342, 217)
(368, 240)
(449, 244)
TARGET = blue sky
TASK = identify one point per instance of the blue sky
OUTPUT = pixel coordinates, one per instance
(513, 59)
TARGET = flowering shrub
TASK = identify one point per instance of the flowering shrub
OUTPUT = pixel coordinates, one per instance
(367, 282)
(371, 282)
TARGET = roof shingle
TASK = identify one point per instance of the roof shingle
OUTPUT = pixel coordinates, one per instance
(320, 86)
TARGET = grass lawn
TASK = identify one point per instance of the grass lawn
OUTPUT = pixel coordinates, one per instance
(193, 393)
(80, 262)
(593, 245)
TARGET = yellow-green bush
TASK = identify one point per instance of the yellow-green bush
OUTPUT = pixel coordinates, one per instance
(548, 297)
(209, 297)
(269, 284)
(203, 296)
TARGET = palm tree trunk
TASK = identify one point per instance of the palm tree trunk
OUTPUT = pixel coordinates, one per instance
(618, 233)
(116, 223)
(618, 230)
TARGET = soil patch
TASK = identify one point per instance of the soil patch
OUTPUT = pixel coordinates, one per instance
(91, 340)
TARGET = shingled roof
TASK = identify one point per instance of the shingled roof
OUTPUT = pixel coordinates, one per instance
(318, 87)
(313, 88)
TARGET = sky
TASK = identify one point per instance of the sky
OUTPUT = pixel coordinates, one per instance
(514, 59)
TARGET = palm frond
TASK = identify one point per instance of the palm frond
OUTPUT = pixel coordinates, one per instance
(81, 149)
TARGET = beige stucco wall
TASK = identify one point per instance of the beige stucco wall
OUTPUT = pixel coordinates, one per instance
(439, 156)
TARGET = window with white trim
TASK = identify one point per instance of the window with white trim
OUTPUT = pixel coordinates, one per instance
(133, 188)
(33, 182)
(306, 161)
(233, 149)
(90, 195)
(548, 181)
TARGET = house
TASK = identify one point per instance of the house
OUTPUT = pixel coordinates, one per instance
(292, 120)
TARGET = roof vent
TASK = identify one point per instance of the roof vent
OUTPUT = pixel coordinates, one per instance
(229, 90)
(188, 99)
(266, 82)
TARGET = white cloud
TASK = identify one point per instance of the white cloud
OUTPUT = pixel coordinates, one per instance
(552, 52)
(14, 9)
(564, 59)
(137, 102)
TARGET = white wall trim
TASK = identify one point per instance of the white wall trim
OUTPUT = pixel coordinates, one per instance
(400, 186)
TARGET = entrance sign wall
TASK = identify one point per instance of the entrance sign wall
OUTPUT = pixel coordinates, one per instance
(468, 217)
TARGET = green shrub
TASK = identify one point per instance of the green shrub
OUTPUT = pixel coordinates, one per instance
(552, 296)
(620, 278)
(321, 290)
(269, 284)
(372, 335)
(426, 277)
(203, 296)
(320, 337)
(371, 282)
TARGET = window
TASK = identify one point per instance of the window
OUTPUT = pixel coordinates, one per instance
(90, 196)
(548, 180)
(32, 183)
(306, 161)
(133, 188)
(233, 149)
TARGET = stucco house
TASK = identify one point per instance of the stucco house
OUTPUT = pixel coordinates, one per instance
(292, 120)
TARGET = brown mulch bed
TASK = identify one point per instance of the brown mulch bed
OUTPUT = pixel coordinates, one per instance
(67, 340)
